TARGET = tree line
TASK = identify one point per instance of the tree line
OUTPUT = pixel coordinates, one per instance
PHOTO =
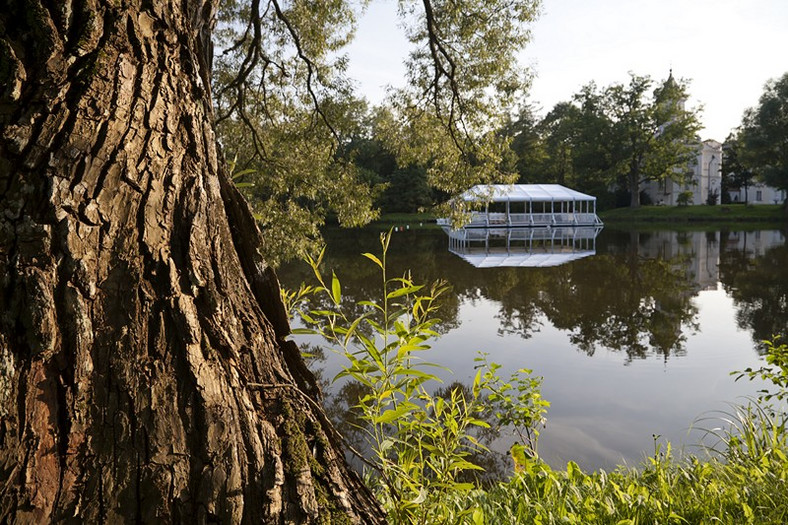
(757, 150)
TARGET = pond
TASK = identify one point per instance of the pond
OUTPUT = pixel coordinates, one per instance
(635, 339)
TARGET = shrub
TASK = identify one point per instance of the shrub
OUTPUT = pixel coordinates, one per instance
(684, 198)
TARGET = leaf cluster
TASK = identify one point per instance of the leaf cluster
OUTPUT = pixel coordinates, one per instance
(422, 441)
(763, 135)
(286, 110)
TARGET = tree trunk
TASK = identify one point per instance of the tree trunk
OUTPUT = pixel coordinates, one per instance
(144, 372)
(634, 192)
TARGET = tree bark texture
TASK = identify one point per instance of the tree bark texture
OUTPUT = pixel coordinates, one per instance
(144, 371)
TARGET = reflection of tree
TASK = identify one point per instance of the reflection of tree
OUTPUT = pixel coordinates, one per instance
(341, 407)
(620, 304)
(423, 253)
(759, 288)
(621, 301)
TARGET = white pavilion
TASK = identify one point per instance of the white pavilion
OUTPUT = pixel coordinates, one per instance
(525, 225)
(529, 205)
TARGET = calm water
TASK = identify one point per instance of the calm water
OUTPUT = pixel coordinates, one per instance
(634, 340)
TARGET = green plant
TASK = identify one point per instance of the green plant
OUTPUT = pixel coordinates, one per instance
(684, 198)
(776, 373)
(420, 442)
(517, 403)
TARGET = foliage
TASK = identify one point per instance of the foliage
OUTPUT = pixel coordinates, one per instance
(776, 373)
(654, 132)
(517, 403)
(287, 113)
(422, 442)
(735, 174)
(730, 491)
(402, 188)
(764, 134)
(742, 480)
(617, 137)
(464, 69)
(526, 154)
(684, 198)
(283, 105)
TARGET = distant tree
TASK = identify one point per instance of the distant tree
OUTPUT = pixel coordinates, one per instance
(395, 188)
(407, 191)
(764, 134)
(526, 155)
(594, 142)
(559, 129)
(735, 174)
(654, 135)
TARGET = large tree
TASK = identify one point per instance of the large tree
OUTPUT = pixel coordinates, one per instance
(735, 174)
(654, 134)
(145, 371)
(763, 134)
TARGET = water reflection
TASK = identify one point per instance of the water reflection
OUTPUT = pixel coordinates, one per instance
(634, 296)
(522, 247)
(680, 309)
(754, 271)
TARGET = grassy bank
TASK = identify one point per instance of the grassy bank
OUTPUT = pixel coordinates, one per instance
(722, 213)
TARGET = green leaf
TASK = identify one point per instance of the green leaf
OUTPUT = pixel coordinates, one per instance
(352, 328)
(336, 291)
(390, 415)
(241, 173)
(478, 516)
(399, 292)
(373, 259)
(303, 331)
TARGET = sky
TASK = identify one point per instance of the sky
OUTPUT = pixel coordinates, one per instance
(727, 49)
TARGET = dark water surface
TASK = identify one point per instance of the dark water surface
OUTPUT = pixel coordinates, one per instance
(636, 340)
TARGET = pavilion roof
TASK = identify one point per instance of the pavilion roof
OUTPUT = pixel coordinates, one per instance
(524, 193)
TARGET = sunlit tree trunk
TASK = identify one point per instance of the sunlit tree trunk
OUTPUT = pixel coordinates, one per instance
(144, 374)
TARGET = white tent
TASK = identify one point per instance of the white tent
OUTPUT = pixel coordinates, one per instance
(529, 205)
(525, 193)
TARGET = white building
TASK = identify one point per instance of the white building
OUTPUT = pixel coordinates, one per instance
(701, 186)
(758, 193)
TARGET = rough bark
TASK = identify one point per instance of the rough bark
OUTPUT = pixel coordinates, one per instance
(144, 374)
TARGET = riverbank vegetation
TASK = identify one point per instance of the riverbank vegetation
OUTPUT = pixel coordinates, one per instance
(427, 444)
(730, 213)
(774, 213)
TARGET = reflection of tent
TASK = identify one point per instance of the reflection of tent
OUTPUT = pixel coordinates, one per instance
(532, 247)
(532, 205)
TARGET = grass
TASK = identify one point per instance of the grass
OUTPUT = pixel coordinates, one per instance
(721, 213)
(664, 491)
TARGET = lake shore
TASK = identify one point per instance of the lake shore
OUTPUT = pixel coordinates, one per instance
(725, 213)
(771, 213)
